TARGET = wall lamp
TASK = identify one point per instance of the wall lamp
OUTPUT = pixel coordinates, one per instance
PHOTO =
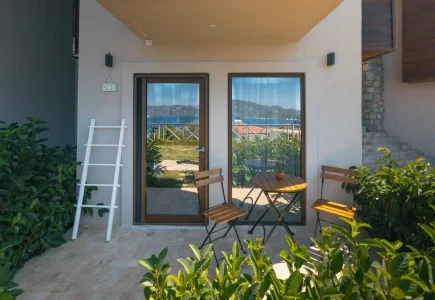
(330, 59)
(108, 61)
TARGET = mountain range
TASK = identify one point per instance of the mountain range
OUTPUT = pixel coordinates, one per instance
(241, 109)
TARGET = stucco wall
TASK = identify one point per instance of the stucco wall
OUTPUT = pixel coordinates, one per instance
(333, 93)
(38, 72)
(409, 108)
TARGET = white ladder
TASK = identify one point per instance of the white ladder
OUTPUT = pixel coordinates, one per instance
(115, 184)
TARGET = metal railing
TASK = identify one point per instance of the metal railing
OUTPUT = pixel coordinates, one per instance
(174, 131)
(190, 131)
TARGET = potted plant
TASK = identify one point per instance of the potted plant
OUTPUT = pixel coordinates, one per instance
(279, 169)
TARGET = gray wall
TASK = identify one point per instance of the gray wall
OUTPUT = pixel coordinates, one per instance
(37, 70)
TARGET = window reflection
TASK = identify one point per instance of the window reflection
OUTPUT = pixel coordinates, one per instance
(266, 127)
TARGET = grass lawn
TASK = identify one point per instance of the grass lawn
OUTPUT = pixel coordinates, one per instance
(179, 152)
(175, 179)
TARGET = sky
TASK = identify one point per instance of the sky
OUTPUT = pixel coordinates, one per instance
(284, 92)
(172, 94)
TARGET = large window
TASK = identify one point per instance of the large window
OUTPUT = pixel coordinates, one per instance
(267, 125)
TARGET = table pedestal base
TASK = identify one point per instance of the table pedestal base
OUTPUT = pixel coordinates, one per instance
(281, 214)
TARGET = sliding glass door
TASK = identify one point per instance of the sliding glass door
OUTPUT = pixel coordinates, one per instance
(266, 113)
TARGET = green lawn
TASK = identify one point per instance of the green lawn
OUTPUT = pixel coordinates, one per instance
(179, 152)
(175, 179)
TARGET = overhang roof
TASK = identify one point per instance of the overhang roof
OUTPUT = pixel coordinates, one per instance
(220, 21)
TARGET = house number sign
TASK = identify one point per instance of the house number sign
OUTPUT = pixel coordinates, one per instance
(108, 87)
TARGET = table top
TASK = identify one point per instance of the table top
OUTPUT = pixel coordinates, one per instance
(268, 183)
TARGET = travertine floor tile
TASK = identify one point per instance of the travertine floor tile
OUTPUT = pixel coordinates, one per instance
(90, 268)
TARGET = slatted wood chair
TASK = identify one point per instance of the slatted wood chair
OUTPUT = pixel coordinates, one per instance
(225, 213)
(334, 207)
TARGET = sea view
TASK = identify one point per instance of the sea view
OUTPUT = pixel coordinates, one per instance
(190, 119)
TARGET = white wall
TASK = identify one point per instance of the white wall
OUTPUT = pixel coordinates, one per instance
(409, 108)
(333, 93)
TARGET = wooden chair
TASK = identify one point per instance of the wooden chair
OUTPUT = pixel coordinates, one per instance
(225, 213)
(334, 207)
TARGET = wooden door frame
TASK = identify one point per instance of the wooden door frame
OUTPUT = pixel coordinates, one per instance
(302, 78)
(139, 135)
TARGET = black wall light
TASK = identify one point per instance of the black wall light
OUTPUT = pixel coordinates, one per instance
(330, 59)
(108, 62)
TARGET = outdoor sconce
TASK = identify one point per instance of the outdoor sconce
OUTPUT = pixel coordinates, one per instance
(108, 62)
(330, 59)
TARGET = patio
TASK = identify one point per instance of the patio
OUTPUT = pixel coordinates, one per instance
(184, 200)
(90, 268)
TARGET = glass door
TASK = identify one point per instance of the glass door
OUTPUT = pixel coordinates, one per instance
(266, 113)
(174, 110)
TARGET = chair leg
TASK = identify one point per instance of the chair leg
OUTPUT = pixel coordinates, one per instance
(228, 230)
(208, 237)
(253, 206)
(238, 237)
(208, 234)
(317, 224)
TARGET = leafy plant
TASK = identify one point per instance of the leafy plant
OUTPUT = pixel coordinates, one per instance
(337, 274)
(286, 150)
(8, 288)
(278, 166)
(37, 192)
(153, 157)
(395, 199)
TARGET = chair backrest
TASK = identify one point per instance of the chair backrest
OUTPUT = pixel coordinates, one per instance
(337, 174)
(208, 177)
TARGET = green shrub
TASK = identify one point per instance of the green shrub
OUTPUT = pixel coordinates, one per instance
(286, 150)
(8, 288)
(37, 193)
(153, 157)
(395, 199)
(334, 275)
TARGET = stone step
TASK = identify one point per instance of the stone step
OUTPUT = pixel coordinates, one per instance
(380, 141)
(401, 152)
(394, 147)
(410, 154)
(371, 164)
(377, 134)
(430, 159)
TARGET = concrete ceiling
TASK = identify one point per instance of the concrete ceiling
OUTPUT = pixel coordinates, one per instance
(220, 21)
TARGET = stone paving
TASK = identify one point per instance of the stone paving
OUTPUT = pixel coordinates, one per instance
(185, 201)
(90, 268)
(180, 201)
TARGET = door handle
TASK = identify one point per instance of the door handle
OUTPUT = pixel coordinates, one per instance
(202, 149)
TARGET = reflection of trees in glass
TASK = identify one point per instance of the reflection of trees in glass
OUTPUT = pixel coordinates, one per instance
(245, 152)
(153, 157)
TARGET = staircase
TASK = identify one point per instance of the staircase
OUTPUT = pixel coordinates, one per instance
(402, 152)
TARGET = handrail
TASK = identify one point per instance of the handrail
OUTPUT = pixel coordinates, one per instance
(190, 131)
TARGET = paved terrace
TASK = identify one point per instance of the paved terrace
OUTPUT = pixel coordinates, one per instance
(90, 268)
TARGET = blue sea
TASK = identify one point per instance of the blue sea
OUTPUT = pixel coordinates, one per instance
(190, 119)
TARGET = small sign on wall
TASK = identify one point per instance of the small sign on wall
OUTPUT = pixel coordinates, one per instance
(108, 87)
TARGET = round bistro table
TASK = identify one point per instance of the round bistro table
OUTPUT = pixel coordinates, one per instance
(268, 184)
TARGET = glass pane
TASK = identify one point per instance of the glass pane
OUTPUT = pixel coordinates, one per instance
(172, 136)
(266, 117)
